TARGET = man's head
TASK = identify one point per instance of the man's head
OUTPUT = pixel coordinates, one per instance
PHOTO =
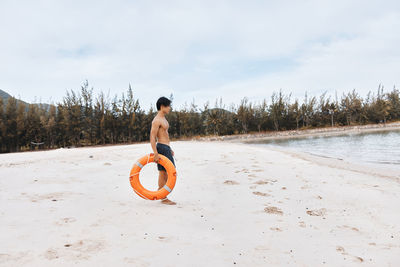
(164, 105)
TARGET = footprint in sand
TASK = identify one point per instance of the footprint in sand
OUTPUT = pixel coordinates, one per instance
(276, 229)
(273, 210)
(341, 250)
(52, 196)
(136, 262)
(257, 193)
(65, 221)
(243, 170)
(320, 212)
(68, 220)
(15, 257)
(82, 249)
(163, 238)
(260, 182)
(230, 182)
(349, 227)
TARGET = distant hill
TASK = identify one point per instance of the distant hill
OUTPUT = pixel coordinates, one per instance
(6, 96)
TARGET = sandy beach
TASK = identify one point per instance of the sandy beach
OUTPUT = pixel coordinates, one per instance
(237, 205)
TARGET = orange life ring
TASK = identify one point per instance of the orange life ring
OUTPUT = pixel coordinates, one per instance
(143, 192)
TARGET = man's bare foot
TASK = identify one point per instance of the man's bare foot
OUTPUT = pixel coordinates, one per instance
(166, 201)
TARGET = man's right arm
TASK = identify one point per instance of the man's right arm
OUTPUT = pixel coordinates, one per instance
(155, 125)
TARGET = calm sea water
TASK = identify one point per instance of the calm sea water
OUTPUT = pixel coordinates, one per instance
(378, 148)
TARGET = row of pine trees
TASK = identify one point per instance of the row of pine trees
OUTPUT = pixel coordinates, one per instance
(82, 119)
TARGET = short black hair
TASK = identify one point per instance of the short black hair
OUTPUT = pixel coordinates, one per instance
(163, 101)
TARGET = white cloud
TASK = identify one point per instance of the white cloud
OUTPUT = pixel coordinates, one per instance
(197, 49)
(360, 62)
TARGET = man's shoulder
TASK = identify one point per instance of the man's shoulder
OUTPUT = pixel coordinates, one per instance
(156, 119)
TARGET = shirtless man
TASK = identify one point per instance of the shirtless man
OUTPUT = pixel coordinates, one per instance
(159, 131)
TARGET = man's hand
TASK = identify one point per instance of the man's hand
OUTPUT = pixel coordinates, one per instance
(156, 157)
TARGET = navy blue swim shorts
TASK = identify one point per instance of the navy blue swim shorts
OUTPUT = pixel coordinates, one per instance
(165, 150)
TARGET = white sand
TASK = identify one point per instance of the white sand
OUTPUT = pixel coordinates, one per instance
(237, 204)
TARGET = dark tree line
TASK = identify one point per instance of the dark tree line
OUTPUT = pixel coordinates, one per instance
(82, 119)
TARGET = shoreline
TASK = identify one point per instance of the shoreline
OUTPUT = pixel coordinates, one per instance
(383, 171)
(344, 164)
(288, 134)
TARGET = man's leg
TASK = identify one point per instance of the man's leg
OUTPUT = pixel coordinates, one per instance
(162, 180)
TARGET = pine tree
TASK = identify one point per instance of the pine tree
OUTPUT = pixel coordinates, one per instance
(277, 109)
(99, 118)
(73, 117)
(382, 105)
(21, 126)
(33, 126)
(50, 127)
(394, 103)
(132, 108)
(308, 110)
(195, 123)
(60, 126)
(245, 114)
(2, 127)
(11, 134)
(87, 113)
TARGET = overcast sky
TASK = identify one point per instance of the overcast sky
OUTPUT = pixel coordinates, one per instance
(199, 50)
